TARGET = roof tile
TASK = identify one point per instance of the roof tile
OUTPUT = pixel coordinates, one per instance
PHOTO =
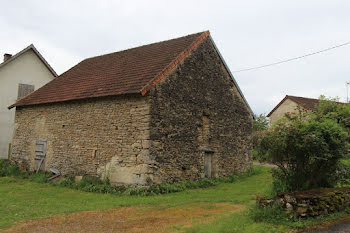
(130, 71)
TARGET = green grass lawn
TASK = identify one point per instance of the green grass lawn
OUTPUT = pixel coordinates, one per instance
(21, 199)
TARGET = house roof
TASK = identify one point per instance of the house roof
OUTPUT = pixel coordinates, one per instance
(132, 71)
(30, 47)
(306, 103)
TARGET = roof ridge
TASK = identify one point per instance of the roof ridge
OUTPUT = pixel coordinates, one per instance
(301, 97)
(295, 99)
(31, 46)
(141, 46)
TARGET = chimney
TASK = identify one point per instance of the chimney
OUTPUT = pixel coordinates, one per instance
(7, 56)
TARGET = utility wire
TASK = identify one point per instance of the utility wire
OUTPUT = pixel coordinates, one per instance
(291, 59)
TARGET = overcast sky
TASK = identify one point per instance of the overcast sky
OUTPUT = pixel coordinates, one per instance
(247, 33)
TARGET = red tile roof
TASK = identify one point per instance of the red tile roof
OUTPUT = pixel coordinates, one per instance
(306, 103)
(130, 71)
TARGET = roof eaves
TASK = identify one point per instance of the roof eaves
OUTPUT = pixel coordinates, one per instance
(279, 104)
(291, 98)
(43, 60)
(36, 52)
(17, 104)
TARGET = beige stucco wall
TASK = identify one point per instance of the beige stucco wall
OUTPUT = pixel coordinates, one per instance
(25, 69)
(288, 106)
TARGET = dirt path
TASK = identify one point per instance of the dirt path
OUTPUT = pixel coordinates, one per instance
(130, 219)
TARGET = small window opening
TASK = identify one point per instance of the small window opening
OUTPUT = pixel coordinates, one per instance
(24, 89)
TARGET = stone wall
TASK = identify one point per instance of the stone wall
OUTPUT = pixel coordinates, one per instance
(104, 136)
(310, 203)
(199, 119)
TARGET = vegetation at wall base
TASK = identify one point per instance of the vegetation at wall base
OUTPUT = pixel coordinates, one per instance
(94, 184)
(9, 169)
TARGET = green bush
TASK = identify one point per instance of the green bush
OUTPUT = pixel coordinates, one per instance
(343, 173)
(94, 184)
(8, 169)
(39, 177)
(67, 181)
(331, 109)
(261, 122)
(307, 150)
(271, 214)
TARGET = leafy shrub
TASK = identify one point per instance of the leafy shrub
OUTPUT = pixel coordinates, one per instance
(38, 177)
(261, 122)
(94, 184)
(343, 173)
(67, 181)
(331, 109)
(307, 150)
(8, 169)
(271, 214)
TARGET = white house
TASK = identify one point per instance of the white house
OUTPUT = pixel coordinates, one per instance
(19, 75)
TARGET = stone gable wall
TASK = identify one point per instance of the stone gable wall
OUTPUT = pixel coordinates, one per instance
(105, 137)
(195, 112)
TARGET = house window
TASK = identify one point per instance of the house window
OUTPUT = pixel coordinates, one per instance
(24, 89)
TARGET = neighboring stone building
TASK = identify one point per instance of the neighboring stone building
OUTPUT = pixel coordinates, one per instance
(291, 104)
(19, 75)
(163, 112)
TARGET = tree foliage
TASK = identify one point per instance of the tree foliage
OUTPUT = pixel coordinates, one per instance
(260, 122)
(332, 109)
(307, 148)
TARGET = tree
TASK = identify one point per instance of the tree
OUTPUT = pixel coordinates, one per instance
(331, 108)
(260, 122)
(307, 148)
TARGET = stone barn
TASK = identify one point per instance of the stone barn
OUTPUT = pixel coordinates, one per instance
(158, 113)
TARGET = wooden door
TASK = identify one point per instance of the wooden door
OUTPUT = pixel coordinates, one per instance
(40, 154)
